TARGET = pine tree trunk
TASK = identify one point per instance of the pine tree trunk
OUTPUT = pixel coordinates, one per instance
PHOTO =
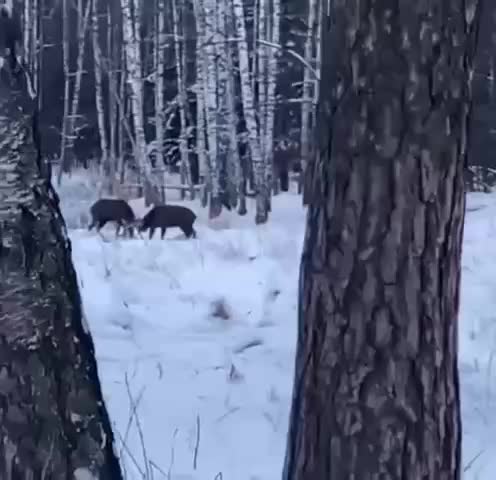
(376, 389)
(54, 421)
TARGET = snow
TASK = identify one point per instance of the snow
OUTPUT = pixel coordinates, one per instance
(197, 337)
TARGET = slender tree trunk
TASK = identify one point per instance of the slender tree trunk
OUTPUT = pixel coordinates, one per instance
(305, 178)
(200, 90)
(234, 174)
(112, 75)
(208, 21)
(100, 106)
(54, 421)
(160, 45)
(65, 162)
(179, 46)
(83, 23)
(272, 74)
(131, 36)
(247, 94)
(261, 78)
(307, 105)
(376, 388)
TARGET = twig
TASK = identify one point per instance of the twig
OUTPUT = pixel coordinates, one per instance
(171, 464)
(140, 430)
(197, 445)
(471, 463)
(131, 456)
(132, 413)
(156, 467)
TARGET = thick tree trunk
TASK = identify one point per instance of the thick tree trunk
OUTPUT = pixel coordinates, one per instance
(54, 421)
(376, 391)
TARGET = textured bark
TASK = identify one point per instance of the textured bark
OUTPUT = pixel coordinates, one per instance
(376, 392)
(54, 424)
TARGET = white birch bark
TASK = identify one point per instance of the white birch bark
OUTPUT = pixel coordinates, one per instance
(36, 11)
(160, 44)
(272, 72)
(211, 94)
(112, 49)
(131, 37)
(200, 91)
(261, 215)
(234, 172)
(181, 91)
(200, 103)
(262, 56)
(70, 136)
(223, 109)
(206, 18)
(307, 104)
(100, 109)
(63, 166)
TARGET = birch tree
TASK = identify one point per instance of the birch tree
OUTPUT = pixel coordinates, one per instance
(99, 101)
(71, 108)
(309, 86)
(131, 40)
(160, 45)
(208, 22)
(234, 173)
(262, 191)
(200, 91)
(54, 419)
(272, 72)
(179, 46)
(65, 161)
(82, 30)
(376, 387)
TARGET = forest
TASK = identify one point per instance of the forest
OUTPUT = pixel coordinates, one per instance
(222, 92)
(335, 158)
(201, 88)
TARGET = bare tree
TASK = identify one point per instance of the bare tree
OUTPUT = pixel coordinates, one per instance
(247, 94)
(54, 421)
(71, 113)
(106, 159)
(132, 42)
(376, 389)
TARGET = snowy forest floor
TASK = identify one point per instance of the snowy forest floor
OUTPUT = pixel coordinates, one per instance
(195, 339)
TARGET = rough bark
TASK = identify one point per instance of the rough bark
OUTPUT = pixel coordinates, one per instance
(376, 389)
(53, 419)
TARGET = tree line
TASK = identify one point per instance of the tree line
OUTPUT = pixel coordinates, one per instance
(222, 92)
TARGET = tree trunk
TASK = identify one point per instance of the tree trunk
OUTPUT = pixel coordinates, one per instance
(132, 41)
(309, 84)
(376, 389)
(247, 95)
(54, 421)
(106, 159)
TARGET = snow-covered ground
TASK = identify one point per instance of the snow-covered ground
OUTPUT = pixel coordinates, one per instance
(195, 339)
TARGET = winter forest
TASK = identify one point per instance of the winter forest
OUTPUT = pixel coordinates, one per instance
(319, 302)
(200, 88)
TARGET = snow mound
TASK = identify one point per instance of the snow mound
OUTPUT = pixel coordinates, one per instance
(195, 342)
